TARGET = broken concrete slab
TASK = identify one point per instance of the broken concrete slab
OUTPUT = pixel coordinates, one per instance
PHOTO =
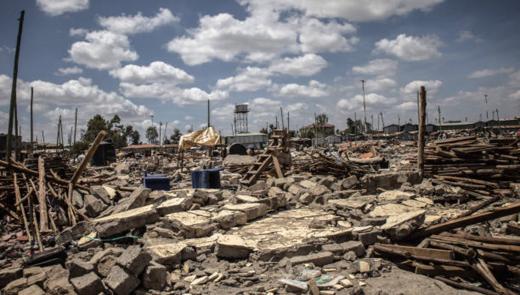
(124, 221)
(134, 259)
(401, 225)
(252, 210)
(79, 267)
(155, 276)
(233, 247)
(192, 224)
(318, 259)
(32, 290)
(87, 284)
(227, 219)
(394, 196)
(136, 199)
(391, 180)
(167, 254)
(390, 210)
(120, 281)
(94, 206)
(246, 199)
(174, 205)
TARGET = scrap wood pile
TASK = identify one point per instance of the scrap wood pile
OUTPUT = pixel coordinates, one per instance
(489, 264)
(40, 202)
(474, 165)
(318, 162)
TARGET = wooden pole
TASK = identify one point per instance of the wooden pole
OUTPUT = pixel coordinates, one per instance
(209, 122)
(422, 128)
(90, 153)
(42, 196)
(13, 87)
(75, 124)
(32, 126)
(281, 116)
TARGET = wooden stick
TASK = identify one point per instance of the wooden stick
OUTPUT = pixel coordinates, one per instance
(42, 196)
(482, 269)
(22, 210)
(467, 220)
(465, 286)
(37, 230)
(88, 157)
(72, 215)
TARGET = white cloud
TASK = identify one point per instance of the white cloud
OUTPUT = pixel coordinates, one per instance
(316, 36)
(260, 37)
(132, 24)
(297, 107)
(57, 7)
(380, 85)
(411, 48)
(378, 67)
(490, 72)
(248, 79)
(224, 37)
(407, 105)
(69, 71)
(352, 10)
(465, 35)
(77, 32)
(102, 50)
(155, 72)
(371, 99)
(314, 89)
(432, 86)
(169, 92)
(305, 65)
(515, 95)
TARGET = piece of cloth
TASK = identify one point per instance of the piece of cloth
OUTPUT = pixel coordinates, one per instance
(207, 137)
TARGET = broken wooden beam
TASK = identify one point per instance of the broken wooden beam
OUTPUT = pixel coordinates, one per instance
(88, 156)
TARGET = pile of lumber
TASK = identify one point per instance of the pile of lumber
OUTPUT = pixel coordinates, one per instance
(318, 162)
(487, 264)
(474, 164)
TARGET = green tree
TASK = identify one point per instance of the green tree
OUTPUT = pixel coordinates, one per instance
(152, 134)
(322, 119)
(176, 136)
(94, 126)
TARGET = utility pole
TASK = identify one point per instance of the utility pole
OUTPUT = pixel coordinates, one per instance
(12, 107)
(165, 136)
(276, 121)
(422, 129)
(281, 116)
(382, 121)
(372, 121)
(43, 140)
(75, 124)
(399, 121)
(497, 116)
(355, 123)
(418, 108)
(151, 117)
(160, 134)
(288, 128)
(440, 122)
(364, 104)
(486, 101)
(209, 123)
(32, 126)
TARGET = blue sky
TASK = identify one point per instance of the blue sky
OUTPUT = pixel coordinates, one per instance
(166, 58)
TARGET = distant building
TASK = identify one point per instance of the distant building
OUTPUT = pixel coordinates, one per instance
(392, 128)
(322, 130)
(248, 140)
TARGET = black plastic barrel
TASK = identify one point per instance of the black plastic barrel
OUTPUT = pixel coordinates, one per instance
(205, 178)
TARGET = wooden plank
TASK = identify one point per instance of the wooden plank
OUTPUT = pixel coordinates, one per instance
(466, 220)
(42, 196)
(277, 167)
(88, 156)
(426, 252)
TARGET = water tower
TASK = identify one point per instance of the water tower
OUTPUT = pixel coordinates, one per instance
(240, 120)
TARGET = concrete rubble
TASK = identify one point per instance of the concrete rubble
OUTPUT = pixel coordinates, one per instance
(351, 229)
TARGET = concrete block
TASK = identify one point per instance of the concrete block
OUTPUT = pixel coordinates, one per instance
(121, 282)
(134, 259)
(87, 284)
(318, 259)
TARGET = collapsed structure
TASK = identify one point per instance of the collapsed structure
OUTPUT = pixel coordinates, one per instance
(338, 219)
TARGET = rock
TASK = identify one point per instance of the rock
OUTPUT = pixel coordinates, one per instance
(58, 281)
(346, 283)
(88, 284)
(121, 222)
(105, 264)
(318, 259)
(296, 189)
(174, 205)
(401, 225)
(38, 278)
(355, 246)
(275, 192)
(192, 224)
(9, 274)
(252, 210)
(246, 199)
(307, 184)
(94, 206)
(136, 199)
(15, 286)
(100, 193)
(233, 247)
(122, 168)
(32, 290)
(319, 190)
(294, 285)
(78, 267)
(350, 182)
(155, 276)
(228, 219)
(134, 259)
(368, 238)
(199, 281)
(394, 195)
(77, 199)
(120, 281)
(391, 180)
